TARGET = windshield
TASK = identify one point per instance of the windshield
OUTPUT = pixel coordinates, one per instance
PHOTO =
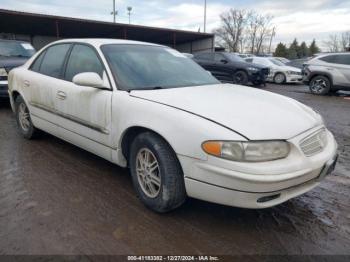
(234, 57)
(10, 49)
(276, 62)
(151, 67)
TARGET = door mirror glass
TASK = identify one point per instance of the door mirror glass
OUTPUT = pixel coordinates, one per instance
(91, 79)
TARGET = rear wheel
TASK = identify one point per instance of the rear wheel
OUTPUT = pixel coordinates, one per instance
(240, 78)
(156, 173)
(24, 121)
(320, 85)
(279, 78)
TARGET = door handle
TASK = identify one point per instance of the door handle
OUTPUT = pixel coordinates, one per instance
(26, 83)
(61, 95)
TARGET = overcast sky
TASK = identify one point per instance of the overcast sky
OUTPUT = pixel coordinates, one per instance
(304, 19)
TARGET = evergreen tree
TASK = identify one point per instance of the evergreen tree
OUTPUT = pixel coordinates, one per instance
(281, 50)
(313, 49)
(293, 50)
(303, 50)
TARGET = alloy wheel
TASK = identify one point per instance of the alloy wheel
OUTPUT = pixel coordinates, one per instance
(23, 117)
(148, 173)
(318, 85)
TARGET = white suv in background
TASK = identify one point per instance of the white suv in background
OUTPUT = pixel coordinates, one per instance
(279, 72)
(328, 72)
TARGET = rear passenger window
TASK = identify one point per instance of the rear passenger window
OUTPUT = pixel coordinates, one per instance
(53, 60)
(343, 59)
(83, 59)
(37, 63)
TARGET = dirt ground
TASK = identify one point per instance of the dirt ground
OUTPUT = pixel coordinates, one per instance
(58, 199)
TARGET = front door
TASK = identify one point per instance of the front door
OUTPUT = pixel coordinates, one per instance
(84, 113)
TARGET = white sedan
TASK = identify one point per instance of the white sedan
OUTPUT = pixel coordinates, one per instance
(279, 72)
(180, 131)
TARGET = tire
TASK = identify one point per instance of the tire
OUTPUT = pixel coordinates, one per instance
(320, 85)
(279, 78)
(240, 78)
(24, 120)
(171, 192)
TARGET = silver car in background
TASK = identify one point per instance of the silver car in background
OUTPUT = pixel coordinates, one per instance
(328, 72)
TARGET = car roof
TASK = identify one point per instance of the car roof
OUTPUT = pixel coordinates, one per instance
(13, 41)
(103, 41)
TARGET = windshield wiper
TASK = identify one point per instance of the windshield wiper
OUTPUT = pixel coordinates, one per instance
(147, 88)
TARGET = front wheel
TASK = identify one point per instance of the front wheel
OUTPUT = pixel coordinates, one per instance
(240, 78)
(279, 78)
(24, 121)
(320, 85)
(156, 173)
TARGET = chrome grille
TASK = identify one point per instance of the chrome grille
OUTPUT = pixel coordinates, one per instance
(315, 143)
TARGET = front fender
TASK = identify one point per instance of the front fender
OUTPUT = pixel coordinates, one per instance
(185, 132)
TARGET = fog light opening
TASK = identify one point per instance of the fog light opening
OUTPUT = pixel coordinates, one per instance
(268, 198)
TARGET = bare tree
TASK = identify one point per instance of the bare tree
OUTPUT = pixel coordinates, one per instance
(332, 43)
(345, 40)
(264, 31)
(232, 27)
(243, 30)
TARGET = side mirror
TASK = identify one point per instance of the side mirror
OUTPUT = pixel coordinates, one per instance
(224, 61)
(89, 79)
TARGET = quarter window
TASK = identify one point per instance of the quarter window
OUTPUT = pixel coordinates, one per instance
(53, 60)
(83, 59)
(37, 63)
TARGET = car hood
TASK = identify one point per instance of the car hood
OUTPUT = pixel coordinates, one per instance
(253, 113)
(287, 68)
(11, 62)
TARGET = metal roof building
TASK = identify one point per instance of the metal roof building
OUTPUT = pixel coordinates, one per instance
(40, 29)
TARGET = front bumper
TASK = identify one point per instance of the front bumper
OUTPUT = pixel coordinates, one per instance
(4, 89)
(258, 185)
(294, 78)
(257, 78)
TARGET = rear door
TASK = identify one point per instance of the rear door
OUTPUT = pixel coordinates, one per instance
(40, 84)
(342, 63)
(84, 113)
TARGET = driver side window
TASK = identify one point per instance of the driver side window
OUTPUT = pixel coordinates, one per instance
(83, 59)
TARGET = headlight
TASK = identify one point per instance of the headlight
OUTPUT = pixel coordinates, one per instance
(253, 69)
(251, 151)
(3, 72)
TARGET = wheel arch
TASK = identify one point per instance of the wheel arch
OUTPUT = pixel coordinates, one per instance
(131, 133)
(315, 74)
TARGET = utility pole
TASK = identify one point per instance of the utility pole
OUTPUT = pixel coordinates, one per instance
(129, 8)
(205, 15)
(114, 12)
(272, 36)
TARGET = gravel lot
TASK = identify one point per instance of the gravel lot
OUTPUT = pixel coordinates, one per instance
(58, 199)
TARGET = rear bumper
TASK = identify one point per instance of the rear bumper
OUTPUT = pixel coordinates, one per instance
(4, 89)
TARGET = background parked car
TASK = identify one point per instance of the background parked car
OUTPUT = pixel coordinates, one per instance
(283, 60)
(12, 54)
(279, 72)
(298, 63)
(328, 72)
(230, 68)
